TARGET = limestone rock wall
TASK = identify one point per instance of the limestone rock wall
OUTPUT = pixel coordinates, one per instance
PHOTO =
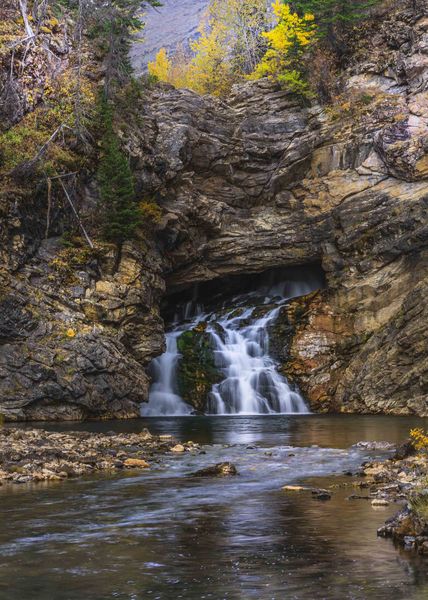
(77, 327)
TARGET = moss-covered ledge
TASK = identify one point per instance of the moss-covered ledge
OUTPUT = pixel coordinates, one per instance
(197, 371)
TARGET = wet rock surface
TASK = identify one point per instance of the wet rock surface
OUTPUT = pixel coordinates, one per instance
(224, 469)
(402, 479)
(33, 455)
(196, 371)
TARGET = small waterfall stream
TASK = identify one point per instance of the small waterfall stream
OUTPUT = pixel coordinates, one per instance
(252, 384)
(239, 337)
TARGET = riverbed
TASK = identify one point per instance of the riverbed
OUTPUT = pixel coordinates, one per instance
(163, 534)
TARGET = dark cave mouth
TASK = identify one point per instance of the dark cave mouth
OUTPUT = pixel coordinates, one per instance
(282, 282)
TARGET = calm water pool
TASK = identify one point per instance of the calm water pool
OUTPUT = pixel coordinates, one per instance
(165, 535)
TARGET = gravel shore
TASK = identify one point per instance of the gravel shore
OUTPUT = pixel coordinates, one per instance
(31, 455)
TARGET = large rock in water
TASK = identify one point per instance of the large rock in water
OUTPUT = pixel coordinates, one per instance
(247, 184)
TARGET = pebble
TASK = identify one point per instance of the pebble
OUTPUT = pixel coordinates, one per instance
(380, 502)
(178, 448)
(136, 462)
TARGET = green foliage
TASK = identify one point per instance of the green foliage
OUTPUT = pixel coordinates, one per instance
(295, 83)
(330, 12)
(112, 26)
(333, 16)
(120, 212)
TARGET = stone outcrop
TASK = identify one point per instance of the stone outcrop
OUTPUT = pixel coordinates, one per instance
(196, 371)
(68, 318)
(247, 184)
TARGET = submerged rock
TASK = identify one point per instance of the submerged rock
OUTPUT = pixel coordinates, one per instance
(321, 494)
(224, 469)
(373, 445)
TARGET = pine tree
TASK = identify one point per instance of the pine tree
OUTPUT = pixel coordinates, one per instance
(333, 16)
(121, 215)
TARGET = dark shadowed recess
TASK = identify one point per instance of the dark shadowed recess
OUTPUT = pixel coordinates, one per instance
(278, 282)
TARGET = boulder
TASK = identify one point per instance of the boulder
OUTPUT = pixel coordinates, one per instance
(224, 469)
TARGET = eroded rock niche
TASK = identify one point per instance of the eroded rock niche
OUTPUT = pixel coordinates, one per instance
(228, 344)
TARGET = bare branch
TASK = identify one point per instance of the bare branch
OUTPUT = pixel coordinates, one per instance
(76, 214)
(28, 29)
(48, 216)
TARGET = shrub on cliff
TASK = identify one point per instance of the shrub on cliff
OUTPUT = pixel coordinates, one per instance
(287, 43)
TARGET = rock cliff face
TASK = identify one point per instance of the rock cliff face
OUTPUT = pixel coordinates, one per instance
(72, 341)
(260, 181)
(245, 185)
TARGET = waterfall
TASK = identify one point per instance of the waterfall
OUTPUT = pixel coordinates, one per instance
(239, 337)
(251, 384)
(163, 398)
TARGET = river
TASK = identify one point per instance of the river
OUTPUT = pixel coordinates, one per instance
(165, 535)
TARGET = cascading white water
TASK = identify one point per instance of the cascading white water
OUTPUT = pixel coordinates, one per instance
(240, 342)
(163, 398)
(252, 384)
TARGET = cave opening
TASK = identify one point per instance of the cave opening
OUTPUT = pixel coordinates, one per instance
(288, 281)
(220, 356)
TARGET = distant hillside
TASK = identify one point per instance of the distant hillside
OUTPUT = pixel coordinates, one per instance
(173, 23)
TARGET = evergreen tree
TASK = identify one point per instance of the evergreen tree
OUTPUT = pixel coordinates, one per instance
(121, 214)
(333, 16)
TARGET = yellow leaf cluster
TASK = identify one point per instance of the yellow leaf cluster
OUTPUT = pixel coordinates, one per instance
(419, 439)
(286, 41)
(161, 66)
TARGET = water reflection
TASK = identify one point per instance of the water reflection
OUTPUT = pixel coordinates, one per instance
(334, 431)
(166, 535)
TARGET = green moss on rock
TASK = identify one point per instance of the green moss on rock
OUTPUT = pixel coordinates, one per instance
(197, 372)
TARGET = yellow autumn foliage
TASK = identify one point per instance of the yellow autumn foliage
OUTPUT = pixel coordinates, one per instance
(287, 42)
(225, 50)
(209, 70)
(161, 66)
(206, 71)
(419, 439)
